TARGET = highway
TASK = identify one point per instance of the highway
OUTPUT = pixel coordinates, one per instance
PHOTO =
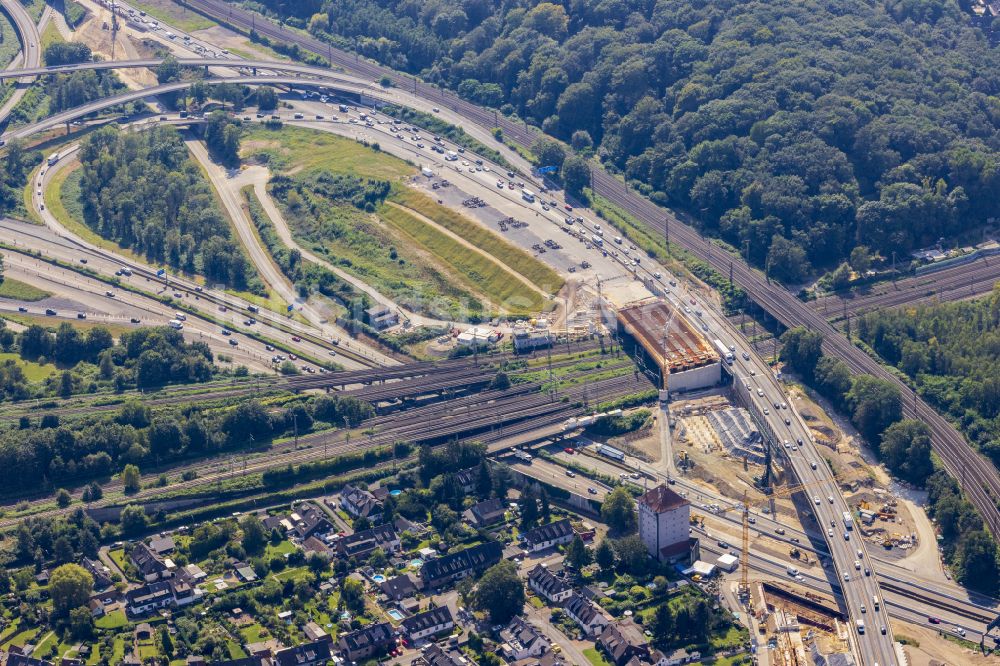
(31, 51)
(783, 305)
(978, 477)
(870, 647)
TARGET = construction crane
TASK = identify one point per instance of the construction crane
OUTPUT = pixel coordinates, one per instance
(779, 493)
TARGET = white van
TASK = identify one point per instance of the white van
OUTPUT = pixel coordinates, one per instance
(180, 316)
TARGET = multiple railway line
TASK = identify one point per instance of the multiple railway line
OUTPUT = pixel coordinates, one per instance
(949, 284)
(485, 416)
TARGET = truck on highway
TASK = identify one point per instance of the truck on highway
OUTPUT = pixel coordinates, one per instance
(848, 521)
(53, 158)
(723, 351)
(523, 456)
(597, 240)
(528, 195)
(175, 324)
(861, 626)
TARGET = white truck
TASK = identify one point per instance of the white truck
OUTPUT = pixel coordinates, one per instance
(848, 521)
(723, 351)
(175, 324)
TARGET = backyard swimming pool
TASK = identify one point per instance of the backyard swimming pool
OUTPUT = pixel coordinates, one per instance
(395, 615)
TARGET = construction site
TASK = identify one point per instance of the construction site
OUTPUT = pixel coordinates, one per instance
(680, 357)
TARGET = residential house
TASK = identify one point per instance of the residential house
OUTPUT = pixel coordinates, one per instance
(398, 588)
(360, 503)
(314, 632)
(548, 536)
(100, 572)
(366, 642)
(315, 545)
(162, 546)
(97, 608)
(678, 657)
(521, 640)
(245, 572)
(194, 573)
(467, 479)
(433, 655)
(272, 523)
(429, 623)
(313, 653)
(149, 597)
(586, 614)
(308, 520)
(245, 661)
(485, 513)
(362, 544)
(150, 565)
(183, 591)
(622, 642)
(548, 585)
(456, 566)
(14, 659)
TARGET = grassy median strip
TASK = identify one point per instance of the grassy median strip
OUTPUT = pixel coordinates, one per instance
(485, 275)
(538, 273)
(21, 291)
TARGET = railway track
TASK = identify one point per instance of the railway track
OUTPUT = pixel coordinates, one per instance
(483, 417)
(950, 284)
(371, 385)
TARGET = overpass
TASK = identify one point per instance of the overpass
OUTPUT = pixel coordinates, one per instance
(31, 50)
(134, 95)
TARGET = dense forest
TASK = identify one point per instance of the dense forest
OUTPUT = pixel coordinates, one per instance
(952, 351)
(145, 358)
(142, 190)
(829, 123)
(16, 164)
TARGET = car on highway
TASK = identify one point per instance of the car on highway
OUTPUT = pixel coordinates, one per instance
(233, 342)
(50, 312)
(847, 577)
(82, 260)
(868, 572)
(135, 320)
(592, 490)
(269, 347)
(779, 530)
(882, 628)
(767, 411)
(81, 315)
(570, 473)
(724, 545)
(829, 497)
(746, 356)
(863, 609)
(332, 353)
(296, 338)
(788, 421)
(933, 620)
(857, 565)
(816, 500)
(226, 331)
(109, 294)
(569, 449)
(847, 536)
(829, 532)
(250, 322)
(812, 464)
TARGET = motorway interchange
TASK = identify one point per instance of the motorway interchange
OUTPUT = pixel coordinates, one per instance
(316, 339)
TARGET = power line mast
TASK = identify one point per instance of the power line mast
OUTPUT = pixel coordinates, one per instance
(114, 28)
